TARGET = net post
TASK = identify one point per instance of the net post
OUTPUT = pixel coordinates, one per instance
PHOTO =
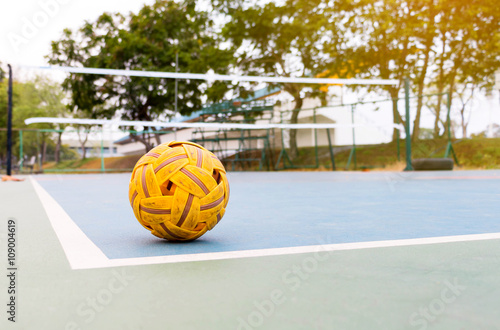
(409, 167)
(9, 124)
(449, 146)
(176, 83)
(315, 140)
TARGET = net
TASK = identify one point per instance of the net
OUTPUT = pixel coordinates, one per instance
(245, 135)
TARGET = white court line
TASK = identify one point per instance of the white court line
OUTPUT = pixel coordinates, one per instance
(82, 253)
(79, 249)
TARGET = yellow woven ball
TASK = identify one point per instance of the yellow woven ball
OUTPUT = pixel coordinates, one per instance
(178, 191)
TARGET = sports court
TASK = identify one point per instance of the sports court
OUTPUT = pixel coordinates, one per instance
(295, 250)
(358, 142)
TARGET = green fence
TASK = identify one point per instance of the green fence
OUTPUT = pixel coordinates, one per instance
(35, 149)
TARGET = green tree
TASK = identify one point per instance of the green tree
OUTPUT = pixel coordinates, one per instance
(425, 33)
(381, 39)
(436, 43)
(149, 40)
(467, 47)
(2, 73)
(83, 131)
(39, 97)
(277, 40)
(52, 104)
(21, 96)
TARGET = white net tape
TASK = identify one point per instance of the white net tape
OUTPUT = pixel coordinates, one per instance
(156, 124)
(200, 76)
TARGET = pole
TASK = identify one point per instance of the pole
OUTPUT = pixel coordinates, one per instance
(449, 146)
(354, 139)
(315, 140)
(409, 167)
(176, 68)
(9, 125)
(21, 152)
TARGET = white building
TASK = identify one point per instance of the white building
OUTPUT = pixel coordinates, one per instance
(228, 143)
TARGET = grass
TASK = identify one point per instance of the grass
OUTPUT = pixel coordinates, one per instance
(67, 164)
(479, 153)
(111, 163)
(476, 153)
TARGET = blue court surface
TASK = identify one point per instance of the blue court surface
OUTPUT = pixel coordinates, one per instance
(295, 250)
(278, 210)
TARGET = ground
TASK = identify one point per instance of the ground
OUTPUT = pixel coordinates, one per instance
(301, 250)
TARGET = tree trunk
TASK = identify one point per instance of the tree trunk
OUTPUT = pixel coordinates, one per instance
(83, 142)
(157, 137)
(395, 131)
(420, 92)
(465, 102)
(147, 145)
(451, 91)
(440, 84)
(58, 148)
(430, 33)
(438, 112)
(464, 124)
(416, 122)
(294, 150)
(84, 150)
(44, 149)
(396, 117)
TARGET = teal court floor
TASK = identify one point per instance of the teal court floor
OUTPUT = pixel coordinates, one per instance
(295, 250)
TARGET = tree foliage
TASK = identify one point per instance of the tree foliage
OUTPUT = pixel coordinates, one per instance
(441, 45)
(39, 97)
(148, 40)
(277, 40)
(435, 43)
(467, 46)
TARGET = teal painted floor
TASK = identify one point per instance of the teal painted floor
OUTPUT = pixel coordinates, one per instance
(437, 286)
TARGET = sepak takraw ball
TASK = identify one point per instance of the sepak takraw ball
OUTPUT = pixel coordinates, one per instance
(178, 191)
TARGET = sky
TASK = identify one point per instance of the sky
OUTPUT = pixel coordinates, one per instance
(27, 27)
